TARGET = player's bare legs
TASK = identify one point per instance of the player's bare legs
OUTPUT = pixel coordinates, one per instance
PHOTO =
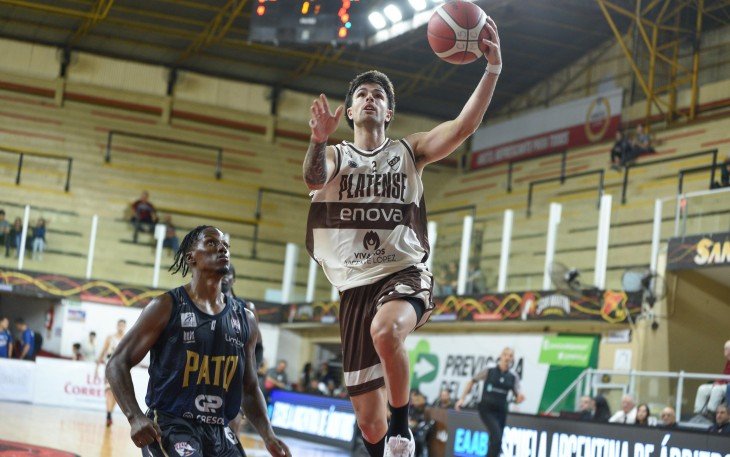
(392, 324)
(111, 402)
(372, 414)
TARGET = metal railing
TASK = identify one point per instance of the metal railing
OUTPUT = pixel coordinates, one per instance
(21, 153)
(590, 382)
(562, 178)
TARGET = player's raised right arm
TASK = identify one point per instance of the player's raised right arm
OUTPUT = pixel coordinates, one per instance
(130, 351)
(320, 158)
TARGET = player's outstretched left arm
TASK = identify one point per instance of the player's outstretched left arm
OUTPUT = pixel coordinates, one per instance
(443, 139)
(254, 405)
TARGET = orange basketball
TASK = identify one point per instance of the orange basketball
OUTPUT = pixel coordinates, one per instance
(456, 30)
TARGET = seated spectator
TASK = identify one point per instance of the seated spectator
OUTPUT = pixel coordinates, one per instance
(77, 354)
(601, 410)
(476, 283)
(621, 150)
(326, 374)
(724, 175)
(171, 241)
(39, 239)
(642, 141)
(306, 377)
(627, 414)
(15, 234)
(312, 387)
(586, 405)
(276, 378)
(722, 421)
(4, 229)
(143, 215)
(417, 422)
(644, 417)
(710, 395)
(448, 279)
(445, 400)
(668, 417)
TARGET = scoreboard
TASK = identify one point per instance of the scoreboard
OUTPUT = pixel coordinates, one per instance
(309, 21)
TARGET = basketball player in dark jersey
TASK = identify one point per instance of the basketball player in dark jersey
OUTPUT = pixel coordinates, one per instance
(201, 362)
(367, 229)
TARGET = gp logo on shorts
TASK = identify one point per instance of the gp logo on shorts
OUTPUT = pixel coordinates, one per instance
(184, 449)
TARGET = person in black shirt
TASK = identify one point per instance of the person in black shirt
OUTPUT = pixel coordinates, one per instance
(202, 364)
(499, 381)
(601, 410)
(722, 421)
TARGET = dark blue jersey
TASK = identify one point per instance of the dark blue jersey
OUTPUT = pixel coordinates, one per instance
(197, 364)
(5, 340)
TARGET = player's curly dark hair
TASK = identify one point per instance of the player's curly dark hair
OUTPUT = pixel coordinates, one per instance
(179, 263)
(374, 77)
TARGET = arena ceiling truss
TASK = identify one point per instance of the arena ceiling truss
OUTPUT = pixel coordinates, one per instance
(211, 37)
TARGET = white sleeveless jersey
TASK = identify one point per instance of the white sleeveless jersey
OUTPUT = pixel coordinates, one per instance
(369, 220)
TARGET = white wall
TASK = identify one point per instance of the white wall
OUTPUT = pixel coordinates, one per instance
(99, 318)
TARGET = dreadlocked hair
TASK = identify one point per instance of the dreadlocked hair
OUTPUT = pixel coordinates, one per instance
(179, 263)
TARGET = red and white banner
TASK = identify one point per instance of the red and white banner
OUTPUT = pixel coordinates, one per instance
(580, 122)
(63, 382)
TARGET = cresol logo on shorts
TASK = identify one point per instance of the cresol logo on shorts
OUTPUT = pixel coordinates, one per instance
(92, 387)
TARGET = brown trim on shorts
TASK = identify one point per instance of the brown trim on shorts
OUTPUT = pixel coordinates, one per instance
(366, 387)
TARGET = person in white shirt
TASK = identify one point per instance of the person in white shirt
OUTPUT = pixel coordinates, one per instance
(627, 413)
(88, 349)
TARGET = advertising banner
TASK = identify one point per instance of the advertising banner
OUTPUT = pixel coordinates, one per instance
(314, 418)
(577, 123)
(699, 251)
(17, 380)
(440, 361)
(540, 436)
(78, 384)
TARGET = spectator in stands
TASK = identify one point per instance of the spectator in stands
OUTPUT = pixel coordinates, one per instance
(724, 175)
(627, 414)
(476, 283)
(77, 353)
(39, 239)
(448, 279)
(312, 387)
(668, 417)
(171, 241)
(644, 417)
(143, 215)
(276, 378)
(325, 374)
(621, 150)
(6, 339)
(14, 237)
(27, 348)
(601, 410)
(586, 405)
(88, 349)
(445, 400)
(711, 395)
(642, 141)
(306, 377)
(722, 421)
(417, 422)
(4, 229)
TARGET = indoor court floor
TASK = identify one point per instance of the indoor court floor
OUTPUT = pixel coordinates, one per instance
(83, 432)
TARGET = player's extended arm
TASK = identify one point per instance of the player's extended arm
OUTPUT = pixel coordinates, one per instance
(443, 139)
(254, 404)
(130, 351)
(467, 389)
(320, 158)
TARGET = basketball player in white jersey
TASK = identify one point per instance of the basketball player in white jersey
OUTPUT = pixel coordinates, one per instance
(367, 229)
(110, 345)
